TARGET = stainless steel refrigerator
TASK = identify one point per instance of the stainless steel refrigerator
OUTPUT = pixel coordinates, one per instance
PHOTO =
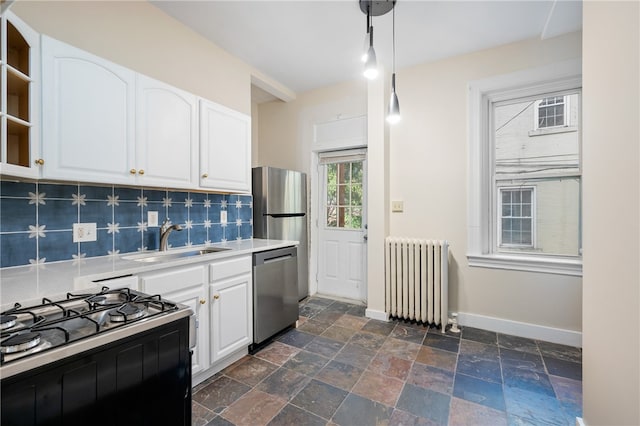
(280, 213)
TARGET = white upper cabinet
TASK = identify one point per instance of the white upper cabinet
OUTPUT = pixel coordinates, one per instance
(105, 123)
(19, 93)
(166, 135)
(225, 148)
(88, 116)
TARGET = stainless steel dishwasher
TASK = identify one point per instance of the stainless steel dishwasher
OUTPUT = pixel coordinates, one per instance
(275, 292)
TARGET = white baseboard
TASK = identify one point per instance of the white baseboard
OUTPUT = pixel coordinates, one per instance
(522, 329)
(377, 315)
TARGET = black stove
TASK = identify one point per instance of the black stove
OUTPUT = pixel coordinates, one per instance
(30, 331)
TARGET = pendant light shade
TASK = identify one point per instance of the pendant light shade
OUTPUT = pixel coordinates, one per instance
(393, 115)
(371, 64)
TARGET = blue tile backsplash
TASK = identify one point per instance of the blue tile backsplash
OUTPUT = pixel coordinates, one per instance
(36, 220)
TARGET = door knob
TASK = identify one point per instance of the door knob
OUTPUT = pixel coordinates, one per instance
(141, 172)
(132, 171)
(365, 237)
(39, 161)
(205, 175)
(216, 297)
(203, 301)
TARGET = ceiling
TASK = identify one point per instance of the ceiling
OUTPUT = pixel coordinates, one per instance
(305, 45)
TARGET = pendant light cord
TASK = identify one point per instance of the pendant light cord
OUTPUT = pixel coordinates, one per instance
(394, 40)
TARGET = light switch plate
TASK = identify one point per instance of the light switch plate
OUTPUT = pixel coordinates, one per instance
(152, 218)
(223, 216)
(397, 206)
(83, 232)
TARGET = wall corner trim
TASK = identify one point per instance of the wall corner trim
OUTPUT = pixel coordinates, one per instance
(522, 329)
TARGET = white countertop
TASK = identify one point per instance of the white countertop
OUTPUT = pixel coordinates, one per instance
(29, 284)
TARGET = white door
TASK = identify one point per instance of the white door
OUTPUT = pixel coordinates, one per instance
(342, 226)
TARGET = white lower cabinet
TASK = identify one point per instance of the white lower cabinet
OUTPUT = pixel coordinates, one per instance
(230, 291)
(186, 285)
(220, 294)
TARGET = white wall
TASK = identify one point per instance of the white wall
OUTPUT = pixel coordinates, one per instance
(611, 296)
(428, 171)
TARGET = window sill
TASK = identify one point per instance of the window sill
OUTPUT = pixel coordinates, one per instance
(548, 265)
(553, 130)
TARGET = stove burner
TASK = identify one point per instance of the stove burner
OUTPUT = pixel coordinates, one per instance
(127, 312)
(20, 342)
(7, 321)
(98, 300)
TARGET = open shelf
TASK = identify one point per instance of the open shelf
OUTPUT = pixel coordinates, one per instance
(17, 143)
(17, 94)
(17, 50)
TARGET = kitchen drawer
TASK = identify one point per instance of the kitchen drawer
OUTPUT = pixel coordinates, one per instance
(172, 280)
(229, 268)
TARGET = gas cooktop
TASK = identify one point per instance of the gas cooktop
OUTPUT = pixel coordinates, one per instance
(76, 323)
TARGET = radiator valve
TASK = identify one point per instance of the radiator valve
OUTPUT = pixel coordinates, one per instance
(454, 323)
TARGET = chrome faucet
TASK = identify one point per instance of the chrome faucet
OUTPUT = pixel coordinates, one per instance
(165, 230)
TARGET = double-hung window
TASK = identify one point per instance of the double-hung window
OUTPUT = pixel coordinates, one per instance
(525, 180)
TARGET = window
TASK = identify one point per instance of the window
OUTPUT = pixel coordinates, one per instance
(525, 189)
(516, 217)
(551, 112)
(344, 195)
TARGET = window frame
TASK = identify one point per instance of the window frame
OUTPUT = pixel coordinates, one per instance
(566, 115)
(511, 246)
(481, 214)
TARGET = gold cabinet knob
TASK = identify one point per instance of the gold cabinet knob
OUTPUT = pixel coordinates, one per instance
(141, 172)
(216, 297)
(39, 161)
(132, 171)
(205, 175)
(202, 301)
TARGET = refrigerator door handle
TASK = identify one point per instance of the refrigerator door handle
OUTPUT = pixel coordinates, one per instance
(285, 214)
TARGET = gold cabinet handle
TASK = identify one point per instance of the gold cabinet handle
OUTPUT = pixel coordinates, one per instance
(132, 171)
(205, 175)
(141, 172)
(216, 297)
(203, 301)
(39, 161)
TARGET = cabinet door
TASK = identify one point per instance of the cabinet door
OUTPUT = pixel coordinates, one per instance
(187, 286)
(19, 93)
(166, 135)
(88, 127)
(225, 148)
(195, 298)
(231, 316)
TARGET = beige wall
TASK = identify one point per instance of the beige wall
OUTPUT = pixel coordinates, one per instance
(286, 129)
(611, 302)
(141, 37)
(428, 171)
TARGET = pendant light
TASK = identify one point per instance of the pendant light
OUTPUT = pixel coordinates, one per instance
(371, 65)
(393, 116)
(373, 8)
(365, 44)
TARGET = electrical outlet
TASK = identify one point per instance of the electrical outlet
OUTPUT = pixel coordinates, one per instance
(84, 232)
(152, 218)
(397, 206)
(223, 216)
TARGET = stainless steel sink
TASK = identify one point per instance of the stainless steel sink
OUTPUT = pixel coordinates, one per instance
(170, 255)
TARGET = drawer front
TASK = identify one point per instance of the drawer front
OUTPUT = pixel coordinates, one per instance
(229, 268)
(164, 282)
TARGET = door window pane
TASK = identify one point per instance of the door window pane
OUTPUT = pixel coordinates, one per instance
(344, 195)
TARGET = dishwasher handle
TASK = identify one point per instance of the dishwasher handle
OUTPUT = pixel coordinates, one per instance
(271, 256)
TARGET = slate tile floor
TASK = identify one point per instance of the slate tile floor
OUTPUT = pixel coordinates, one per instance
(340, 368)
